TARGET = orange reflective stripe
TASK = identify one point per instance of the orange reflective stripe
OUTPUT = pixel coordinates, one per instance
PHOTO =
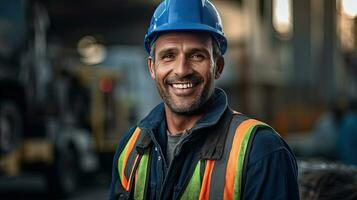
(206, 182)
(232, 160)
(131, 144)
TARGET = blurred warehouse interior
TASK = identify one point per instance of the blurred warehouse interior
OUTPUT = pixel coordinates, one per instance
(284, 55)
(77, 70)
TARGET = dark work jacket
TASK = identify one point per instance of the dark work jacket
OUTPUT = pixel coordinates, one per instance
(271, 171)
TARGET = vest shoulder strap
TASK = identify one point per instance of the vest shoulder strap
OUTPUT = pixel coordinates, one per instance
(132, 164)
(222, 179)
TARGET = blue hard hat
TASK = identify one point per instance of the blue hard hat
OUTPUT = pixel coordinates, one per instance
(200, 15)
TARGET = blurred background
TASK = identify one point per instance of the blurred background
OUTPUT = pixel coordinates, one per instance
(73, 78)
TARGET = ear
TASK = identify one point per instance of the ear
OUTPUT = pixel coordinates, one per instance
(151, 67)
(219, 67)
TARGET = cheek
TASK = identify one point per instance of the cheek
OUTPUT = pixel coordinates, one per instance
(162, 71)
(160, 75)
(210, 72)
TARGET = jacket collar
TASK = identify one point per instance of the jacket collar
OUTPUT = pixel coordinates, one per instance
(216, 116)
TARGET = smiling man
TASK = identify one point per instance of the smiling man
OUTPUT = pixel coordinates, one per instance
(184, 69)
(193, 146)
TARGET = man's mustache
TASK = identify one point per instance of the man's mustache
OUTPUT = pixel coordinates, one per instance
(192, 78)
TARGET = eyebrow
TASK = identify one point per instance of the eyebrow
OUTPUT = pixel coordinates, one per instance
(190, 51)
(201, 50)
(166, 51)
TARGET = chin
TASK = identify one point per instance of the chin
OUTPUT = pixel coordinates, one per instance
(186, 108)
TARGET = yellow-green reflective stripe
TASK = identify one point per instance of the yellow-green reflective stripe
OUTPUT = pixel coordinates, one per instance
(240, 160)
(141, 176)
(121, 160)
(192, 190)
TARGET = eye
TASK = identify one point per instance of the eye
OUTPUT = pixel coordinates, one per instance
(168, 57)
(197, 57)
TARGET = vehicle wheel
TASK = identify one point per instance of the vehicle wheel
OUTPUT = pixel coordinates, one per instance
(63, 180)
(10, 126)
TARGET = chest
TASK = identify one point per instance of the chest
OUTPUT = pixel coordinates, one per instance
(168, 181)
(209, 169)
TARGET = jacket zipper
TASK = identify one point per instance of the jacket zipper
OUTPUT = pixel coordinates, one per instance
(158, 149)
(177, 151)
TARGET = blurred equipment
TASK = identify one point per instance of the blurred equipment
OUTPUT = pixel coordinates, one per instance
(320, 180)
(326, 128)
(347, 137)
(55, 122)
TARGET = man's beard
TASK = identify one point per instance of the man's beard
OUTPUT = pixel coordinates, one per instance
(199, 100)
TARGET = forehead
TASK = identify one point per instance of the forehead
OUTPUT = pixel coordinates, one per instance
(184, 39)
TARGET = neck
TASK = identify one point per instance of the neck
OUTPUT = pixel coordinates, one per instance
(177, 123)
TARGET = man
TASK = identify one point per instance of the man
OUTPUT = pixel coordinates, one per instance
(193, 146)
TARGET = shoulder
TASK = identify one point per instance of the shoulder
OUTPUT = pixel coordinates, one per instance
(272, 169)
(115, 176)
(124, 139)
(269, 147)
(266, 142)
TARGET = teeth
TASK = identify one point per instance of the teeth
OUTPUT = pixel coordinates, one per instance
(182, 85)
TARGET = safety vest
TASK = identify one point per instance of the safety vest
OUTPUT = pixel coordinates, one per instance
(222, 179)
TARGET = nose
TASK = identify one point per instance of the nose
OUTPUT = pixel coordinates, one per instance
(183, 67)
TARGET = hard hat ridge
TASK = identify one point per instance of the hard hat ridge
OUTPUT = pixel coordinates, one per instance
(180, 12)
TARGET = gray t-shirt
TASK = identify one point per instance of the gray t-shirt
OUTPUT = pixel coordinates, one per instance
(172, 142)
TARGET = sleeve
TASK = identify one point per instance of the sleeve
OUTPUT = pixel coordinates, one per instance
(272, 170)
(115, 185)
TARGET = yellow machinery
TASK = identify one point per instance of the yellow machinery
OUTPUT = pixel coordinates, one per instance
(109, 114)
